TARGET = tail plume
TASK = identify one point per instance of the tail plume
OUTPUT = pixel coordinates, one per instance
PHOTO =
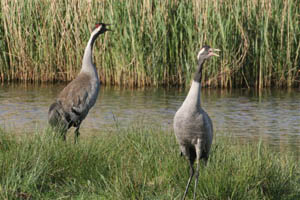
(56, 116)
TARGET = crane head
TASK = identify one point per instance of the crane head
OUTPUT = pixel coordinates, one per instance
(206, 52)
(101, 28)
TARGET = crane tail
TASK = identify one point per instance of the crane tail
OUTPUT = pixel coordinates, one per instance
(56, 117)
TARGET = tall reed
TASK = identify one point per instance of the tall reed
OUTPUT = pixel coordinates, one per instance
(154, 42)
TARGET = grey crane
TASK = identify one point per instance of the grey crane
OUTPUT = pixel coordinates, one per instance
(79, 96)
(192, 126)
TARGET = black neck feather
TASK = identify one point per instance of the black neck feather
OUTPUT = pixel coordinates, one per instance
(94, 38)
(198, 73)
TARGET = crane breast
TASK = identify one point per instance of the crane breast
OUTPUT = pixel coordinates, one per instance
(190, 126)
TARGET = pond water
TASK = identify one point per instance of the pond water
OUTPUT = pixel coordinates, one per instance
(273, 115)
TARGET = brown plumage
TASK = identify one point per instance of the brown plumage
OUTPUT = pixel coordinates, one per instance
(79, 96)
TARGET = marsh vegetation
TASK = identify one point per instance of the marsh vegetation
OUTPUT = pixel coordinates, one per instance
(154, 42)
(139, 162)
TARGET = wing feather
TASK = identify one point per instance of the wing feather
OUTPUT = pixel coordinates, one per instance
(74, 97)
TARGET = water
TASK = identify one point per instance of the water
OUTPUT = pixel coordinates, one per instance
(273, 115)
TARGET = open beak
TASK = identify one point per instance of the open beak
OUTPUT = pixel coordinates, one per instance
(107, 29)
(213, 52)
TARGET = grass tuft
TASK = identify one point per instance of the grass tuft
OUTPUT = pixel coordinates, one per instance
(139, 163)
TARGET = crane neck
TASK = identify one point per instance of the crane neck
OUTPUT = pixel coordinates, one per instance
(87, 63)
(192, 100)
(198, 73)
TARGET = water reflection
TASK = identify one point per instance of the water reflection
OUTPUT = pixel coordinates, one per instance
(273, 115)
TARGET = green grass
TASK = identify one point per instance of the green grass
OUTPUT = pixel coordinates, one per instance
(154, 42)
(139, 163)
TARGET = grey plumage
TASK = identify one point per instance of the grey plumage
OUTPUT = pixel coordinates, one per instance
(192, 126)
(79, 96)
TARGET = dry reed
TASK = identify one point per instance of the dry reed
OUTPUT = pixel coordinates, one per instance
(154, 42)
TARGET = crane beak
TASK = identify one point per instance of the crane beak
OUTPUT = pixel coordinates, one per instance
(107, 29)
(212, 53)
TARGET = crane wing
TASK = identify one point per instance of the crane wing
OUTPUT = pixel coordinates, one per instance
(75, 97)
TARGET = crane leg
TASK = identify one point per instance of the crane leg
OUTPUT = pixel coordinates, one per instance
(77, 133)
(64, 136)
(198, 154)
(189, 181)
(61, 129)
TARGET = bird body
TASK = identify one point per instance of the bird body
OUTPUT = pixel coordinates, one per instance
(192, 126)
(192, 123)
(79, 96)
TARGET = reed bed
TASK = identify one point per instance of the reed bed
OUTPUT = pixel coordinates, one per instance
(140, 163)
(154, 42)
